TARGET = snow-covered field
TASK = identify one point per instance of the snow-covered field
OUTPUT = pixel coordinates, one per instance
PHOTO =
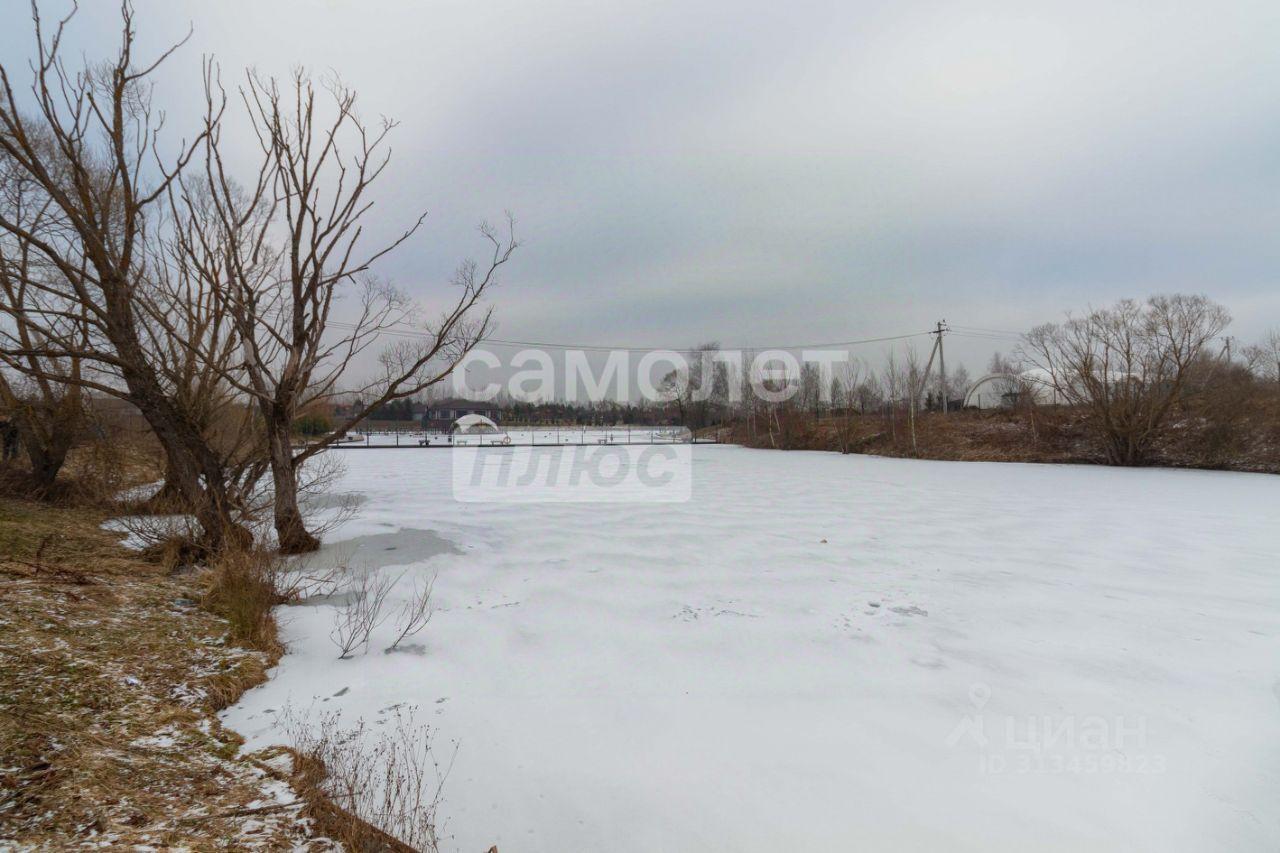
(824, 652)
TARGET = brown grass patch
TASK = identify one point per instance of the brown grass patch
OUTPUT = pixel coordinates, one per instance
(242, 589)
(110, 673)
(1200, 437)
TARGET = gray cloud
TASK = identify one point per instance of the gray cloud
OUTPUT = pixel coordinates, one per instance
(758, 173)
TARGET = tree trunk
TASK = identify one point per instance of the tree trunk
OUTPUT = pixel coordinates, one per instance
(1124, 450)
(198, 477)
(194, 467)
(290, 530)
(911, 421)
(46, 462)
(46, 445)
(166, 500)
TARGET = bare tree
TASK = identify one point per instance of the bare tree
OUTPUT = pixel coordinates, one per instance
(896, 381)
(845, 385)
(699, 389)
(90, 146)
(195, 346)
(915, 378)
(1127, 366)
(1263, 359)
(40, 390)
(1008, 386)
(869, 394)
(710, 379)
(958, 381)
(312, 186)
(675, 388)
(748, 405)
(48, 416)
(810, 393)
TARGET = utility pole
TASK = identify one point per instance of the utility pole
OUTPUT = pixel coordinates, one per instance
(942, 361)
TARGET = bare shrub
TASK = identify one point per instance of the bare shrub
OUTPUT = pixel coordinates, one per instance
(1127, 366)
(1263, 358)
(415, 614)
(298, 584)
(1222, 423)
(361, 612)
(389, 784)
(158, 535)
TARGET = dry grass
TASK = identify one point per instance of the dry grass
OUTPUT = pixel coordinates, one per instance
(389, 778)
(112, 668)
(109, 677)
(1229, 430)
(969, 436)
(1195, 438)
(242, 589)
(310, 779)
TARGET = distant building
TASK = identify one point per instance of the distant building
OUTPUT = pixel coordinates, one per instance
(474, 424)
(440, 416)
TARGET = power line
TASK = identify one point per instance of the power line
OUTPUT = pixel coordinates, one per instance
(971, 332)
(982, 336)
(989, 331)
(600, 348)
(413, 333)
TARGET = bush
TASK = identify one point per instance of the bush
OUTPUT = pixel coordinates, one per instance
(367, 788)
(1127, 367)
(243, 588)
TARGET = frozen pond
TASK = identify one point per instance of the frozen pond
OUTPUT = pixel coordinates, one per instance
(824, 652)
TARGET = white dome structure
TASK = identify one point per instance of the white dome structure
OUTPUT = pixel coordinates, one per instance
(1037, 382)
(474, 425)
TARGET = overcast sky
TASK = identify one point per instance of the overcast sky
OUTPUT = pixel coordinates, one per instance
(777, 173)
